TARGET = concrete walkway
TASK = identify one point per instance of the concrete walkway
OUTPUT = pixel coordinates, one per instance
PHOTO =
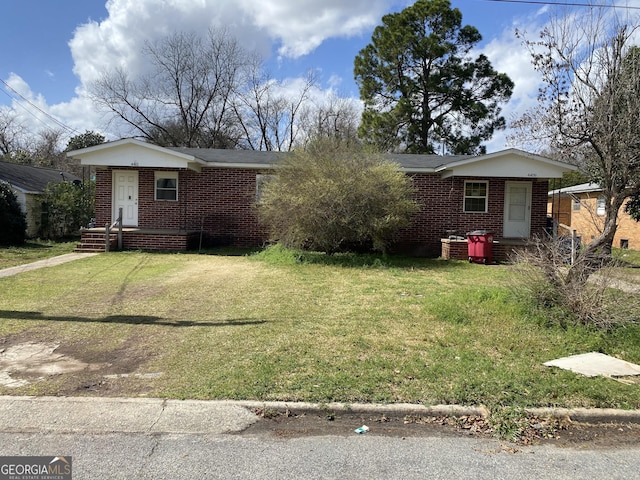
(49, 262)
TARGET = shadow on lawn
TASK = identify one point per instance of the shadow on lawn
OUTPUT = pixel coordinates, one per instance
(128, 319)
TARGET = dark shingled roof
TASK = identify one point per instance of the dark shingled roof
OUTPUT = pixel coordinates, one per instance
(214, 155)
(254, 157)
(410, 161)
(31, 179)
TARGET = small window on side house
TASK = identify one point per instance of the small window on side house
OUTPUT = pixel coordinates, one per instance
(475, 197)
(261, 181)
(576, 203)
(166, 186)
(600, 205)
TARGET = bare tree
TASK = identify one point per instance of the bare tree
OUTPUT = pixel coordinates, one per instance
(11, 133)
(186, 98)
(270, 112)
(46, 150)
(588, 111)
(333, 117)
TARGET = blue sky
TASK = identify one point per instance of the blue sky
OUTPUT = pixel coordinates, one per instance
(52, 49)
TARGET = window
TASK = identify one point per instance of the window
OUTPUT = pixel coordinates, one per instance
(261, 181)
(600, 205)
(576, 203)
(167, 186)
(475, 196)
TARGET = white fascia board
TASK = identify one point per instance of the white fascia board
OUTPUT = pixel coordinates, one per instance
(134, 153)
(511, 163)
(417, 170)
(576, 189)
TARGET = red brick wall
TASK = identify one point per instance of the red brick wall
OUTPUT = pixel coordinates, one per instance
(162, 241)
(222, 202)
(104, 179)
(219, 200)
(442, 212)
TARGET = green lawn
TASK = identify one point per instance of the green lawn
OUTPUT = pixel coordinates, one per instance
(33, 251)
(269, 327)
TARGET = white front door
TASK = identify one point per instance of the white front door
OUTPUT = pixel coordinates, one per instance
(517, 210)
(125, 196)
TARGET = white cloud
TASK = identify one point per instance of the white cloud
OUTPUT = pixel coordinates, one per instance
(509, 55)
(302, 25)
(296, 27)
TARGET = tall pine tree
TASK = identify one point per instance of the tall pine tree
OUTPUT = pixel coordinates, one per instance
(422, 91)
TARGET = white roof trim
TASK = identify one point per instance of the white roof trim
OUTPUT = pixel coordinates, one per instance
(127, 141)
(503, 153)
(171, 159)
(524, 165)
(582, 188)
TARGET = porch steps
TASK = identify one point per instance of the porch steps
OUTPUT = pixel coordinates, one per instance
(95, 242)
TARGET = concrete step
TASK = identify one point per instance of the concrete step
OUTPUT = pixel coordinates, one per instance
(94, 242)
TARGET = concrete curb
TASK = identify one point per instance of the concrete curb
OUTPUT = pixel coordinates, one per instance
(581, 415)
(101, 415)
(397, 409)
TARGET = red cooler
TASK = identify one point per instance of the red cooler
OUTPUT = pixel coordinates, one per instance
(480, 245)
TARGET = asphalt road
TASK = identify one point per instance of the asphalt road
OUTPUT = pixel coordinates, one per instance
(246, 456)
(114, 438)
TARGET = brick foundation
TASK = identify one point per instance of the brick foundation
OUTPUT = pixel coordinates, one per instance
(501, 250)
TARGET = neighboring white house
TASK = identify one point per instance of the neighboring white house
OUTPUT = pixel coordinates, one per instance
(29, 183)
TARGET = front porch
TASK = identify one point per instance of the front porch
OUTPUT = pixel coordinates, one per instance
(93, 239)
(502, 248)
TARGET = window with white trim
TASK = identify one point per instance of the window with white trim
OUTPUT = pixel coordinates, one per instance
(166, 186)
(476, 195)
(601, 205)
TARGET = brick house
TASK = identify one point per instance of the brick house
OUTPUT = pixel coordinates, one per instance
(581, 208)
(180, 198)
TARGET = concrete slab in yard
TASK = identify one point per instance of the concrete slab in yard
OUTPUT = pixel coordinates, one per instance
(594, 364)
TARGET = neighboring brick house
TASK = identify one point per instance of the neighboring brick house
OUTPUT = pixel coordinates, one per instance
(29, 183)
(180, 198)
(582, 208)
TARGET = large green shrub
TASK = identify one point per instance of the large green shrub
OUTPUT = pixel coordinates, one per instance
(13, 223)
(66, 207)
(332, 198)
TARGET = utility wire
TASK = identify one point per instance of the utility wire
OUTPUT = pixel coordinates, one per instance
(565, 4)
(51, 117)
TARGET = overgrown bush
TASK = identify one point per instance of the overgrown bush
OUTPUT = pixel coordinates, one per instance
(332, 198)
(66, 207)
(13, 222)
(572, 293)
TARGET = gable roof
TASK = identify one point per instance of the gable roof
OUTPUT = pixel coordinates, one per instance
(511, 162)
(29, 179)
(131, 152)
